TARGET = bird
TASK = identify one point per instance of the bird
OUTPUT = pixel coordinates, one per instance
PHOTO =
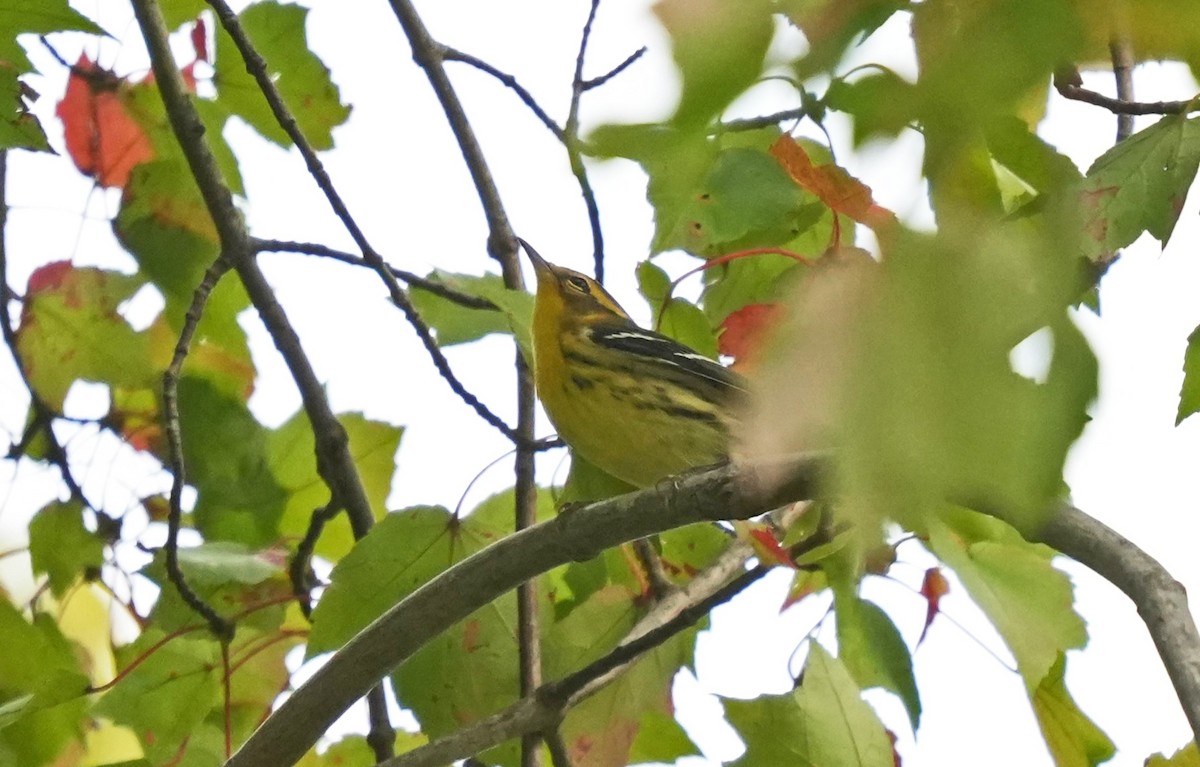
(632, 402)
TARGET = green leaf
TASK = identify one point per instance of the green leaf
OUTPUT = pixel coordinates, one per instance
(278, 33)
(230, 577)
(1014, 583)
(406, 549)
(225, 451)
(1073, 739)
(41, 685)
(660, 739)
(881, 103)
(687, 323)
(758, 279)
(824, 722)
(745, 200)
(874, 652)
(291, 458)
(455, 324)
(18, 128)
(71, 330)
(831, 26)
(1027, 155)
(39, 17)
(1189, 393)
(169, 694)
(719, 47)
(1140, 185)
(603, 729)
(61, 547)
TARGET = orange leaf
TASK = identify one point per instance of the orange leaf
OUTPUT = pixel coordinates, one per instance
(744, 331)
(102, 138)
(833, 185)
(933, 587)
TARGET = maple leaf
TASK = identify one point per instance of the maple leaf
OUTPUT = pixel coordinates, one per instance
(833, 185)
(103, 139)
(744, 331)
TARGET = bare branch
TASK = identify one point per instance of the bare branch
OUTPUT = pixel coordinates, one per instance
(219, 626)
(596, 82)
(508, 81)
(1069, 85)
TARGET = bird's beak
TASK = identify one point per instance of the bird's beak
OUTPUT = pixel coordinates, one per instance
(540, 265)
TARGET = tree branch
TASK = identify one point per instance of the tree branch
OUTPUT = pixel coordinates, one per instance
(1069, 85)
(502, 246)
(334, 462)
(1160, 599)
(1121, 51)
(577, 535)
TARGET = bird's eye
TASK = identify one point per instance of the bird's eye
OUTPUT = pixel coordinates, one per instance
(578, 283)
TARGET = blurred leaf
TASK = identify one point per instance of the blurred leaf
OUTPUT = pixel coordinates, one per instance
(1073, 739)
(71, 330)
(278, 33)
(39, 17)
(19, 129)
(61, 547)
(291, 455)
(905, 364)
(823, 722)
(1140, 185)
(719, 46)
(754, 280)
(586, 482)
(882, 103)
(1027, 155)
(745, 331)
(1189, 393)
(873, 650)
(1014, 583)
(832, 26)
(103, 138)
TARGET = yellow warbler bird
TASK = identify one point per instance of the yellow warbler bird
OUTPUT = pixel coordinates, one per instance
(632, 402)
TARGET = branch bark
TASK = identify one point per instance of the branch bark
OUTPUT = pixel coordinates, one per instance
(577, 535)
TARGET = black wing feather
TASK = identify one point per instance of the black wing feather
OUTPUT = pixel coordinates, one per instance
(682, 364)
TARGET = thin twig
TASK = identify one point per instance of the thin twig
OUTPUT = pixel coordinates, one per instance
(1069, 85)
(300, 567)
(596, 82)
(220, 627)
(413, 280)
(508, 81)
(257, 67)
(574, 156)
(765, 121)
(1121, 50)
(43, 416)
(502, 246)
(660, 584)
(334, 462)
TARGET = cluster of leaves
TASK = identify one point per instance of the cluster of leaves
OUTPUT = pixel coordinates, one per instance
(913, 383)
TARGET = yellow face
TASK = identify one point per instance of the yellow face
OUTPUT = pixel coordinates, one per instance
(564, 293)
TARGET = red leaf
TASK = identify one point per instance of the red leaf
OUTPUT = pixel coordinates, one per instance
(744, 331)
(200, 39)
(933, 587)
(102, 138)
(834, 186)
(766, 546)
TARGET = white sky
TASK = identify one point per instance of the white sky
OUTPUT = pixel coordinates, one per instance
(399, 171)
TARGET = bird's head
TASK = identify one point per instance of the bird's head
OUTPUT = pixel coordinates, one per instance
(565, 294)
